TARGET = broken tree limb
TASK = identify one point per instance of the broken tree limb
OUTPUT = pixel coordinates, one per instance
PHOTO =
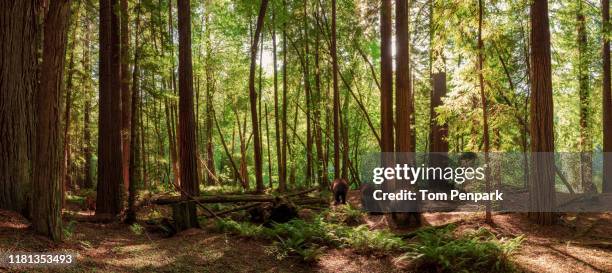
(191, 198)
(562, 177)
(229, 155)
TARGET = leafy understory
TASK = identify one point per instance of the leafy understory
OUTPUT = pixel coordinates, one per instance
(441, 250)
(434, 249)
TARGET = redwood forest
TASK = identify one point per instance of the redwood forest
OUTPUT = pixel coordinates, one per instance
(305, 136)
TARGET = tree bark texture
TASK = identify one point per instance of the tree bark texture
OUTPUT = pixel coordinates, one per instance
(47, 172)
(542, 188)
(17, 86)
(110, 187)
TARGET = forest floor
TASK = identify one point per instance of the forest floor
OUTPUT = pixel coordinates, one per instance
(579, 243)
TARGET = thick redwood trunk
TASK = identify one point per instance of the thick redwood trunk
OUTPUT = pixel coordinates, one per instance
(386, 78)
(386, 94)
(403, 106)
(189, 182)
(402, 79)
(189, 167)
(109, 198)
(17, 86)
(47, 175)
(542, 188)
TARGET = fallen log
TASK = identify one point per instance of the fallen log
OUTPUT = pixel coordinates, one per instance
(96, 218)
(300, 202)
(228, 198)
(216, 199)
(311, 201)
(298, 193)
(234, 209)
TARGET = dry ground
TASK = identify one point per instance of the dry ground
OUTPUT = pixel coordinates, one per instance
(580, 243)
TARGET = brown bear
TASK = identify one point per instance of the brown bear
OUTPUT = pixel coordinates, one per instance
(340, 189)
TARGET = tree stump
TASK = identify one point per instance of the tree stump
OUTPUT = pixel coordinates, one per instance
(184, 214)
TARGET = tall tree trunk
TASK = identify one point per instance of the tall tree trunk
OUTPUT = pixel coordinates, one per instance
(46, 174)
(403, 104)
(485, 115)
(525, 127)
(143, 152)
(210, 156)
(66, 176)
(438, 133)
(268, 147)
(109, 198)
(87, 147)
(386, 78)
(259, 98)
(607, 101)
(323, 181)
(336, 94)
(412, 113)
(189, 166)
(586, 143)
(277, 129)
(253, 99)
(125, 93)
(87, 182)
(172, 144)
(134, 149)
(67, 155)
(282, 183)
(402, 79)
(173, 140)
(18, 78)
(308, 98)
(344, 136)
(244, 173)
(542, 188)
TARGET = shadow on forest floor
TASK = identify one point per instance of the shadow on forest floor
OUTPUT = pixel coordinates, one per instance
(579, 243)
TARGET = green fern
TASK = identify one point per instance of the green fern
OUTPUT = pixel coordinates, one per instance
(439, 250)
